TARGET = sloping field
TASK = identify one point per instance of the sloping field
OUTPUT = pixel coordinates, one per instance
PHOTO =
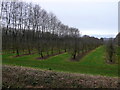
(23, 77)
(93, 63)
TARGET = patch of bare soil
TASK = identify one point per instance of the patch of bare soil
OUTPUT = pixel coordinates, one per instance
(80, 56)
(23, 54)
(47, 56)
(23, 77)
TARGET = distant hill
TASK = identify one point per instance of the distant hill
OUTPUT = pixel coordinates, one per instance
(103, 36)
(105, 39)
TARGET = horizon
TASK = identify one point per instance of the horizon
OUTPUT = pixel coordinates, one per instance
(101, 36)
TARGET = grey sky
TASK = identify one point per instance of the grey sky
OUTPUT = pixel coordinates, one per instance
(91, 17)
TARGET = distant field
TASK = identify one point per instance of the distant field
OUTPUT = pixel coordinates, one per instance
(93, 63)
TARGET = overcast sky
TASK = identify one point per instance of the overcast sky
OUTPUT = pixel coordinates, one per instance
(92, 17)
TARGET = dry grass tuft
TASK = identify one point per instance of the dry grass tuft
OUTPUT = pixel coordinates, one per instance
(22, 77)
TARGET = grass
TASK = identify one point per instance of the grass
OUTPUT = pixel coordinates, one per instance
(93, 63)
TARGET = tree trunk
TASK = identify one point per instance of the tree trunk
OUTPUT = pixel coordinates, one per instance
(17, 52)
(74, 56)
(41, 54)
(65, 50)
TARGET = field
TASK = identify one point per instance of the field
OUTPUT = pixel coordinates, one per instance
(24, 77)
(39, 50)
(93, 63)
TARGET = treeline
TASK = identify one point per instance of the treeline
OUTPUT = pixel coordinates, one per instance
(117, 39)
(27, 28)
(112, 49)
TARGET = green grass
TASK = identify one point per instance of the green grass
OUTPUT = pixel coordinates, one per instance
(93, 63)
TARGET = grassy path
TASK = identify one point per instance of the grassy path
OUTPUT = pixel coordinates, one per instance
(93, 63)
